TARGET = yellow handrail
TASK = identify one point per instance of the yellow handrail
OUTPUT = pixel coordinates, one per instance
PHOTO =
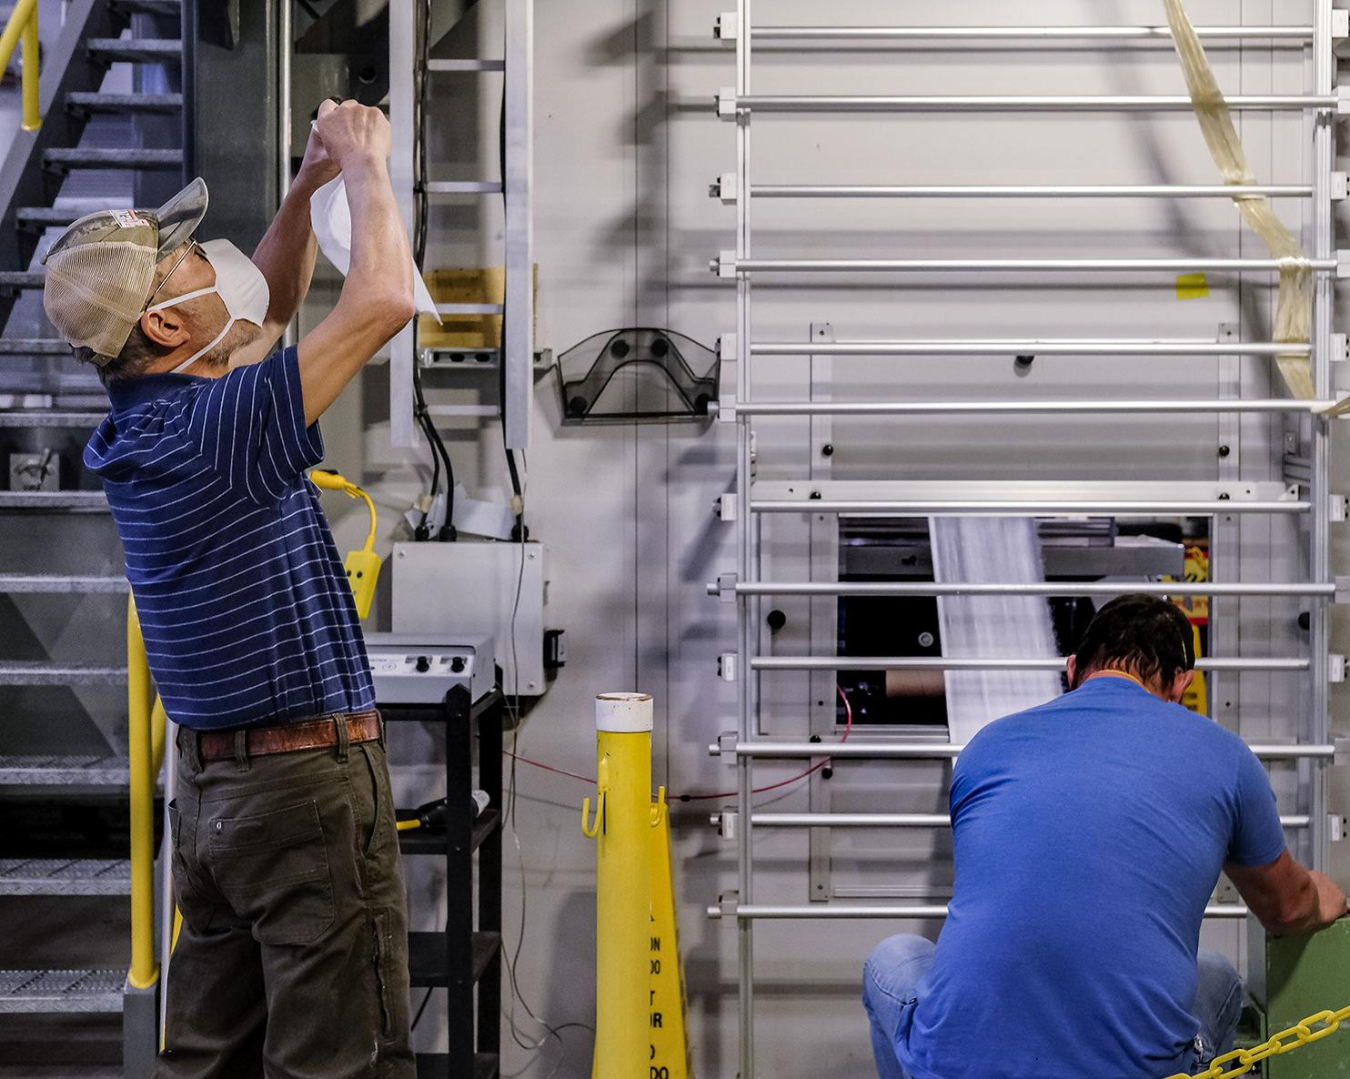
(23, 27)
(146, 735)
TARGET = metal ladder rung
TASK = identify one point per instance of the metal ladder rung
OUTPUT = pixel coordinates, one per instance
(469, 308)
(464, 187)
(62, 876)
(15, 280)
(466, 65)
(36, 992)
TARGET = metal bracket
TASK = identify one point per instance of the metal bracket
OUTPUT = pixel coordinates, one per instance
(1340, 347)
(724, 188)
(726, 823)
(1343, 100)
(725, 508)
(728, 348)
(724, 26)
(1340, 24)
(1340, 181)
(1343, 257)
(726, 103)
(1342, 590)
(725, 264)
(725, 746)
(725, 587)
(726, 666)
(1335, 669)
(1335, 828)
(1336, 510)
(728, 903)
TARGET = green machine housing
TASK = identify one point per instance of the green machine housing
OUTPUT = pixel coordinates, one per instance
(1291, 978)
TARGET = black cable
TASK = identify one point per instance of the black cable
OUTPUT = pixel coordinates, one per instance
(420, 1009)
(520, 531)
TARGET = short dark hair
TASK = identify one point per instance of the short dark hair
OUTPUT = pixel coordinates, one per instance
(1148, 634)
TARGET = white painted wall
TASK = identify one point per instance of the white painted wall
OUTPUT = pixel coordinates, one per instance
(625, 149)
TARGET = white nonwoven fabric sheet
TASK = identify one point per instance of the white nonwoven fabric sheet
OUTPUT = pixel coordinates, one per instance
(1007, 550)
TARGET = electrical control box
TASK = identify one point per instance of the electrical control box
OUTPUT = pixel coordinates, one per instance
(423, 668)
(1292, 978)
(497, 590)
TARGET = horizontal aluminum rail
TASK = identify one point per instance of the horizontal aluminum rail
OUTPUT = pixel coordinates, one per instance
(1027, 348)
(1026, 191)
(892, 820)
(994, 508)
(947, 663)
(1056, 588)
(1111, 34)
(1102, 265)
(1024, 408)
(918, 911)
(946, 751)
(1013, 103)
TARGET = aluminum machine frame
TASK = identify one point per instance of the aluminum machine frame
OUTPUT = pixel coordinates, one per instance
(1301, 490)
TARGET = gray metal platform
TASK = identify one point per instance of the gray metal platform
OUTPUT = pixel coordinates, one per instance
(64, 771)
(64, 876)
(45, 991)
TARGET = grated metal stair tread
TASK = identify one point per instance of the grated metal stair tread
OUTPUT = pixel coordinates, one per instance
(150, 7)
(64, 876)
(32, 673)
(54, 501)
(22, 279)
(97, 101)
(50, 417)
(43, 991)
(106, 158)
(63, 771)
(40, 217)
(437, 1066)
(33, 346)
(135, 49)
(53, 583)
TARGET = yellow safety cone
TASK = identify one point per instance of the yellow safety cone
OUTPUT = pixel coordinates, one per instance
(623, 891)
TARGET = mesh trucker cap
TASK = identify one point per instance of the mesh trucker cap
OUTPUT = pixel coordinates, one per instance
(101, 270)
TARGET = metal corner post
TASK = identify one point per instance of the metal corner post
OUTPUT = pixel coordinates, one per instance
(1323, 164)
(402, 50)
(518, 181)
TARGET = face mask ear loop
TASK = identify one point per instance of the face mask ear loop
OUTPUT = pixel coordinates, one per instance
(182, 299)
(202, 352)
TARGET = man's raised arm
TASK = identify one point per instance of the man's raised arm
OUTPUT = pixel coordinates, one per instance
(377, 297)
(1288, 899)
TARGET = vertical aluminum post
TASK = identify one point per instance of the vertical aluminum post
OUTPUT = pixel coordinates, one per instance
(518, 321)
(747, 722)
(402, 53)
(285, 46)
(1324, 150)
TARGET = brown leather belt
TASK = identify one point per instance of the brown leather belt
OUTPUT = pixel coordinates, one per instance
(289, 737)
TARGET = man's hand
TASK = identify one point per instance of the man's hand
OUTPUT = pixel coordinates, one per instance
(1331, 904)
(318, 166)
(352, 133)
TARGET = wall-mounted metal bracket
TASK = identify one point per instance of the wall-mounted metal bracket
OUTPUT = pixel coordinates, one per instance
(724, 188)
(1342, 102)
(1335, 828)
(1335, 669)
(728, 348)
(727, 668)
(1342, 264)
(726, 824)
(1336, 509)
(725, 507)
(728, 906)
(725, 264)
(725, 746)
(1340, 182)
(1342, 590)
(726, 103)
(1340, 24)
(724, 27)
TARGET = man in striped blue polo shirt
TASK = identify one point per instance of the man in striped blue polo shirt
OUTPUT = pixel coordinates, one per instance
(293, 955)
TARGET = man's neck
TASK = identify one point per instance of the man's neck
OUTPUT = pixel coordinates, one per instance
(1129, 676)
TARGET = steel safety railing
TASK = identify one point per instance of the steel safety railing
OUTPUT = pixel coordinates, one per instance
(146, 726)
(1307, 495)
(21, 32)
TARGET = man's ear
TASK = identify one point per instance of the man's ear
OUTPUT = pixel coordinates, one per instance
(1071, 669)
(1180, 685)
(164, 328)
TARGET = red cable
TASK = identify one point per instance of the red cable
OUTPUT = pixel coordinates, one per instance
(848, 729)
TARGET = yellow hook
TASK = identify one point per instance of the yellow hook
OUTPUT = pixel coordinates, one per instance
(659, 809)
(602, 784)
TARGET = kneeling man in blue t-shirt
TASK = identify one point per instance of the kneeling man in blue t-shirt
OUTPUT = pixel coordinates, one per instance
(1089, 834)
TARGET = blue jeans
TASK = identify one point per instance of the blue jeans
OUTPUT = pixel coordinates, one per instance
(894, 969)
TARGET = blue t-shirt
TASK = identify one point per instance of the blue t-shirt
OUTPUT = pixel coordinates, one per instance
(242, 596)
(1088, 836)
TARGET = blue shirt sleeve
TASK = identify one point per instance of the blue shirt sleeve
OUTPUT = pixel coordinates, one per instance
(249, 426)
(1258, 836)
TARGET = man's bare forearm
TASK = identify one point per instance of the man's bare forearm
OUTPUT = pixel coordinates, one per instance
(287, 252)
(381, 268)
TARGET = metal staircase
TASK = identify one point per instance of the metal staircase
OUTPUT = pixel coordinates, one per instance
(111, 135)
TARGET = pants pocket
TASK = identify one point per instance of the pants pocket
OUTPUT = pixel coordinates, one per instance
(391, 979)
(273, 869)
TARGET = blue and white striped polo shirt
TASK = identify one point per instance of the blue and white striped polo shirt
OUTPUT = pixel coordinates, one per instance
(242, 596)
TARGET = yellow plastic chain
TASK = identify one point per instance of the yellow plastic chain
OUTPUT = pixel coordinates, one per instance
(1296, 1037)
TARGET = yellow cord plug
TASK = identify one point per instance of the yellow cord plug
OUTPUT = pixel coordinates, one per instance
(363, 566)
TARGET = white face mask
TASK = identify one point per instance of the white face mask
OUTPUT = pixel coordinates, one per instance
(240, 285)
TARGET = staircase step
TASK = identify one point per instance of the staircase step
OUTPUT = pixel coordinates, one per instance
(41, 217)
(112, 158)
(54, 501)
(13, 280)
(51, 583)
(50, 417)
(94, 101)
(427, 962)
(46, 673)
(64, 876)
(136, 49)
(64, 771)
(43, 991)
(437, 1066)
(33, 346)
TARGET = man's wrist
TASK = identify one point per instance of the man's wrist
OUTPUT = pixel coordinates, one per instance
(364, 164)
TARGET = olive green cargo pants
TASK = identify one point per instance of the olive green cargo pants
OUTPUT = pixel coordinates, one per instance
(292, 962)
